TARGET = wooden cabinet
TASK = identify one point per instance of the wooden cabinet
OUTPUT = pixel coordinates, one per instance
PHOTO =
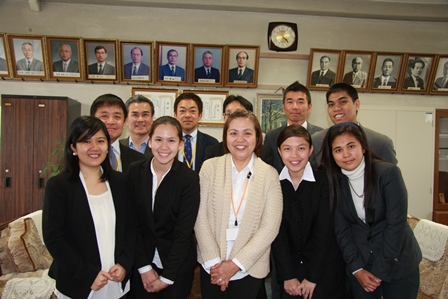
(30, 127)
(440, 200)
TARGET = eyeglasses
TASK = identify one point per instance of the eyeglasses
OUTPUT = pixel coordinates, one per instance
(226, 114)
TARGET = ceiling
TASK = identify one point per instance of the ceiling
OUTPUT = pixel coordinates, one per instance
(401, 10)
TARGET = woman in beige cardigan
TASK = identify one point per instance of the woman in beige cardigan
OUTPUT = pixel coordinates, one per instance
(239, 214)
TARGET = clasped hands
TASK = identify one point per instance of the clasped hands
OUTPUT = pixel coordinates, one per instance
(151, 282)
(116, 273)
(296, 288)
(221, 273)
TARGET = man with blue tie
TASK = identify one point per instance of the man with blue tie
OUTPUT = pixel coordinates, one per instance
(136, 67)
(171, 69)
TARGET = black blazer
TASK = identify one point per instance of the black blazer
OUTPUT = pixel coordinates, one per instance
(217, 150)
(128, 156)
(389, 238)
(147, 154)
(199, 73)
(203, 141)
(170, 227)
(69, 233)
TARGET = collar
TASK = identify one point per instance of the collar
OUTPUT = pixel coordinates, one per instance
(116, 146)
(154, 172)
(193, 134)
(308, 174)
(305, 124)
(356, 173)
(132, 142)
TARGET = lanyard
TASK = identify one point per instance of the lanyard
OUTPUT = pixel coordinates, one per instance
(189, 163)
(242, 198)
(118, 163)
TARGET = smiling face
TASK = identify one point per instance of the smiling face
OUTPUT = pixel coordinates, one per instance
(295, 152)
(241, 140)
(113, 118)
(91, 152)
(387, 68)
(347, 151)
(165, 144)
(296, 107)
(188, 115)
(341, 107)
(139, 118)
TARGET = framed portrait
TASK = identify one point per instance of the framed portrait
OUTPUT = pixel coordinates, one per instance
(439, 80)
(64, 58)
(136, 61)
(5, 69)
(356, 68)
(172, 63)
(163, 99)
(386, 71)
(208, 64)
(101, 59)
(270, 112)
(212, 106)
(28, 57)
(416, 73)
(242, 65)
(323, 68)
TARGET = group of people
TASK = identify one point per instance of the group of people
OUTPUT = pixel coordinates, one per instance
(322, 211)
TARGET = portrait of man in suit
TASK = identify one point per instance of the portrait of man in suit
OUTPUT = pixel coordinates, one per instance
(241, 73)
(101, 67)
(3, 66)
(386, 80)
(171, 69)
(413, 79)
(136, 69)
(207, 73)
(324, 76)
(66, 64)
(442, 82)
(357, 77)
(29, 62)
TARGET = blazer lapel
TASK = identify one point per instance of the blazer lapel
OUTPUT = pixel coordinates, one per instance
(146, 194)
(347, 197)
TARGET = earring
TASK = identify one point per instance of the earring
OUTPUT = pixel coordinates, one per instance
(74, 154)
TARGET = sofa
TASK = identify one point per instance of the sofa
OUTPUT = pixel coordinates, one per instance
(24, 260)
(432, 238)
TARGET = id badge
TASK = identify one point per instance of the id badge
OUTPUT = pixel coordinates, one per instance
(231, 234)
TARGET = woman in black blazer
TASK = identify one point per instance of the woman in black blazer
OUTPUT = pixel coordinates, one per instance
(86, 222)
(379, 247)
(308, 261)
(165, 193)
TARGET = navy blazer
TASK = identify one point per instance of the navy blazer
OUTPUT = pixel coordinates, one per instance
(202, 142)
(389, 237)
(128, 156)
(165, 70)
(69, 233)
(143, 70)
(199, 73)
(248, 75)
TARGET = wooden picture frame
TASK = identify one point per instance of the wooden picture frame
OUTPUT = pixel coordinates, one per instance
(439, 79)
(106, 52)
(323, 60)
(207, 58)
(171, 55)
(355, 69)
(65, 58)
(246, 57)
(163, 99)
(386, 72)
(24, 49)
(5, 66)
(270, 112)
(136, 62)
(419, 65)
(212, 106)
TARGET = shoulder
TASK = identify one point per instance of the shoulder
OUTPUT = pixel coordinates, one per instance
(125, 142)
(267, 170)
(116, 176)
(207, 138)
(374, 135)
(319, 135)
(274, 133)
(313, 128)
(127, 151)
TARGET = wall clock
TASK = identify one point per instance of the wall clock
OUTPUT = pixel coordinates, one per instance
(282, 36)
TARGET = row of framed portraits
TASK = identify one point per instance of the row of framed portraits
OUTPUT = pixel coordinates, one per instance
(67, 58)
(379, 71)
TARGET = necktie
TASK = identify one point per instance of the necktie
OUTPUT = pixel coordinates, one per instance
(240, 74)
(112, 158)
(208, 73)
(65, 66)
(384, 82)
(28, 65)
(134, 72)
(187, 150)
(353, 78)
(173, 71)
(321, 74)
(100, 71)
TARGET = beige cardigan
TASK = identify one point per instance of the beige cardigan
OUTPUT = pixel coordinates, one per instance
(260, 223)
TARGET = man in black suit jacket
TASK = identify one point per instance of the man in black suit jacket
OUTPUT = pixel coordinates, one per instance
(206, 71)
(66, 64)
(188, 111)
(242, 72)
(324, 76)
(101, 67)
(416, 67)
(136, 67)
(112, 112)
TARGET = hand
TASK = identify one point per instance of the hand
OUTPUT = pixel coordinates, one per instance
(100, 281)
(156, 286)
(292, 286)
(148, 278)
(367, 280)
(117, 272)
(220, 274)
(307, 289)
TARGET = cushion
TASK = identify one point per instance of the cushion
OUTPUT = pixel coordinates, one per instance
(17, 247)
(6, 260)
(37, 251)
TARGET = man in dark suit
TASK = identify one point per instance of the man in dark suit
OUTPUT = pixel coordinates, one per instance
(66, 64)
(139, 121)
(241, 74)
(188, 111)
(386, 79)
(207, 72)
(171, 69)
(29, 63)
(357, 77)
(136, 67)
(112, 112)
(442, 82)
(324, 76)
(414, 81)
(101, 67)
(296, 105)
(3, 67)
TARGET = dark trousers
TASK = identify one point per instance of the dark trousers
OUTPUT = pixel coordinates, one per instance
(245, 288)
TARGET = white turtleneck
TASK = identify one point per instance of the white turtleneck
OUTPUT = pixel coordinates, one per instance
(356, 181)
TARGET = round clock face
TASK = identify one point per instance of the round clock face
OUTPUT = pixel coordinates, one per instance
(283, 36)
